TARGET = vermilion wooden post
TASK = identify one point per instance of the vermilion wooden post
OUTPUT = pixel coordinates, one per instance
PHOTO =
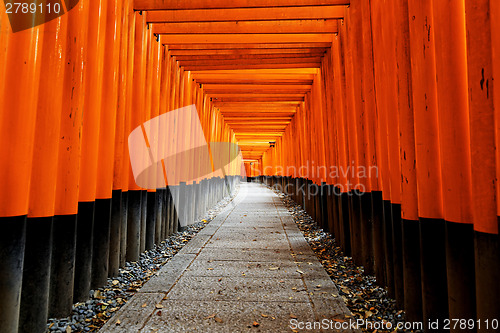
(409, 202)
(129, 110)
(344, 199)
(495, 46)
(38, 251)
(119, 202)
(481, 86)
(372, 212)
(432, 249)
(352, 105)
(89, 159)
(382, 88)
(108, 123)
(453, 120)
(21, 53)
(136, 119)
(389, 25)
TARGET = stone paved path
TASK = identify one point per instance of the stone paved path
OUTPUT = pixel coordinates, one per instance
(251, 263)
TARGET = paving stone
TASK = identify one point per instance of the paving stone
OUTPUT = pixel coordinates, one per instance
(199, 316)
(168, 275)
(239, 289)
(249, 255)
(261, 269)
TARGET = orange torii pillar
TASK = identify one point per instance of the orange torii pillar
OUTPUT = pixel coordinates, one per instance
(409, 202)
(495, 46)
(19, 95)
(383, 95)
(118, 205)
(355, 133)
(137, 118)
(370, 124)
(106, 150)
(482, 113)
(89, 158)
(432, 250)
(454, 143)
(42, 193)
(340, 89)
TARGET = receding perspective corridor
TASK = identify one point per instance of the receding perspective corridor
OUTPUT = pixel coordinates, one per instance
(249, 166)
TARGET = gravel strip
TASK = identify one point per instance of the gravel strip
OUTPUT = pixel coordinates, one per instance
(362, 295)
(91, 315)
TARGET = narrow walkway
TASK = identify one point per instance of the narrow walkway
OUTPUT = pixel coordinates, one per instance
(249, 270)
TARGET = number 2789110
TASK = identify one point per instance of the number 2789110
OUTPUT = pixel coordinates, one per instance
(32, 8)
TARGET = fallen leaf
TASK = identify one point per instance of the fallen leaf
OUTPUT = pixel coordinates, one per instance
(115, 282)
(273, 268)
(158, 313)
(118, 322)
(144, 305)
(264, 315)
(217, 319)
(255, 324)
(68, 329)
(159, 306)
(293, 316)
(299, 271)
(211, 316)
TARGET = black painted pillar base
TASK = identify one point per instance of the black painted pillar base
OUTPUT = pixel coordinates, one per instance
(160, 216)
(36, 275)
(345, 223)
(12, 243)
(411, 271)
(100, 252)
(378, 237)
(115, 234)
(461, 272)
(367, 232)
(144, 212)
(134, 225)
(487, 259)
(152, 213)
(123, 229)
(62, 273)
(397, 239)
(355, 225)
(433, 270)
(388, 249)
(83, 254)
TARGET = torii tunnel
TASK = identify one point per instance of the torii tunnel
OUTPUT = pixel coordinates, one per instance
(381, 118)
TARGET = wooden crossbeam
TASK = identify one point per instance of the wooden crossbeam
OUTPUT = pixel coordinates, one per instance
(245, 52)
(246, 87)
(251, 66)
(215, 4)
(248, 56)
(251, 38)
(248, 27)
(189, 63)
(238, 45)
(242, 76)
(258, 99)
(282, 82)
(246, 14)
